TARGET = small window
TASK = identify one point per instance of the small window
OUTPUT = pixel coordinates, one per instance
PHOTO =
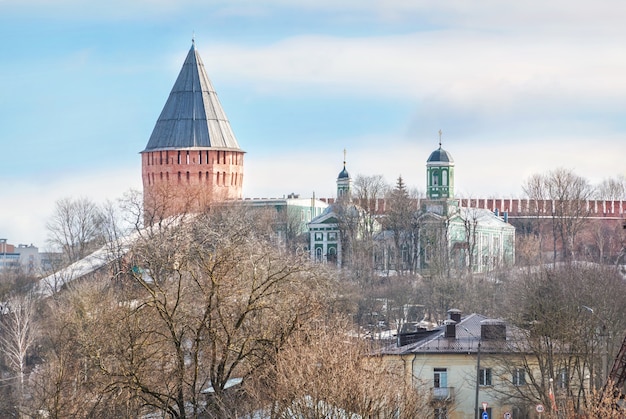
(519, 377)
(441, 413)
(485, 377)
(562, 380)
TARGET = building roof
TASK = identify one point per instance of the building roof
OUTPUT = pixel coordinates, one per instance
(192, 116)
(466, 340)
(440, 155)
(344, 173)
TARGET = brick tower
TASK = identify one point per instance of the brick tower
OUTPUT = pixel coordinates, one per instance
(192, 157)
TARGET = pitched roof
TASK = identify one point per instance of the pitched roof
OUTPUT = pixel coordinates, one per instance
(467, 338)
(192, 116)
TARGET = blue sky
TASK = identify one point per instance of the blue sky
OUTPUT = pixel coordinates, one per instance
(517, 87)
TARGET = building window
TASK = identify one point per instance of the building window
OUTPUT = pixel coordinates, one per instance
(319, 236)
(440, 383)
(519, 377)
(332, 236)
(444, 178)
(318, 254)
(485, 377)
(441, 413)
(562, 380)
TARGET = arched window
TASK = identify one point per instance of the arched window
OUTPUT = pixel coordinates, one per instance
(444, 177)
(318, 254)
(435, 178)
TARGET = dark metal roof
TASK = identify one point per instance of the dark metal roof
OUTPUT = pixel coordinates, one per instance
(343, 174)
(440, 155)
(192, 115)
(467, 338)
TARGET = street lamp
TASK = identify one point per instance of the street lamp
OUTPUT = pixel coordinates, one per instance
(477, 390)
(604, 339)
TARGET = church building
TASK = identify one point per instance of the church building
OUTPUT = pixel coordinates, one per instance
(442, 237)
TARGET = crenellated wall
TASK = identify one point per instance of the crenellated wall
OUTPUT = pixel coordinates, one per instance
(194, 177)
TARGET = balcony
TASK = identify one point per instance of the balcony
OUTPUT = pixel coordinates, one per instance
(442, 393)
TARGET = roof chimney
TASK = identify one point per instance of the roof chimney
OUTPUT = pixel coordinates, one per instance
(454, 314)
(450, 329)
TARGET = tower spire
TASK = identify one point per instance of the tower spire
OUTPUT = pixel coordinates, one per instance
(440, 138)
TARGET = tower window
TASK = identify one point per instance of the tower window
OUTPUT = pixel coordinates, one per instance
(179, 157)
(187, 158)
(179, 177)
(199, 157)
(187, 177)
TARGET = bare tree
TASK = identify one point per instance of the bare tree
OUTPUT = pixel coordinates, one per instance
(367, 191)
(398, 219)
(567, 194)
(17, 336)
(324, 373)
(576, 321)
(612, 189)
(217, 302)
(75, 228)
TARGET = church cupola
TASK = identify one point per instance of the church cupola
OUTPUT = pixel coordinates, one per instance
(343, 182)
(440, 174)
(192, 158)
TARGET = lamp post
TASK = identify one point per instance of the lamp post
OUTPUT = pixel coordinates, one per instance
(603, 344)
(476, 415)
(477, 389)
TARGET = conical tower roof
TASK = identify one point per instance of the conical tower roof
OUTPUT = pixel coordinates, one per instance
(192, 116)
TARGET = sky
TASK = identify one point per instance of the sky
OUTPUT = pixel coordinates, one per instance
(517, 88)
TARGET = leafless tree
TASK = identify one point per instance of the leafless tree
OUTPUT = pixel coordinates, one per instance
(568, 194)
(398, 219)
(18, 332)
(75, 228)
(324, 372)
(366, 192)
(612, 189)
(576, 322)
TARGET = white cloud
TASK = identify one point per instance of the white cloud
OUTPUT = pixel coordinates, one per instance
(32, 201)
(463, 69)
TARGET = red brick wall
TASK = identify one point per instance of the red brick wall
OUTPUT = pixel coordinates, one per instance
(186, 176)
